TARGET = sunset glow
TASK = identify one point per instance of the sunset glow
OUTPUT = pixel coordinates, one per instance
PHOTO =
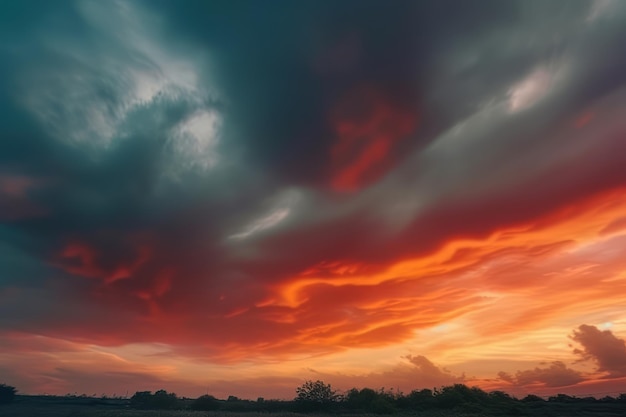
(227, 198)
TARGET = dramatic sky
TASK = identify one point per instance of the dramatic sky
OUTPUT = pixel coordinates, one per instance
(235, 196)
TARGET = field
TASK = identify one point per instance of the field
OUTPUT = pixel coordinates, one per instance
(92, 407)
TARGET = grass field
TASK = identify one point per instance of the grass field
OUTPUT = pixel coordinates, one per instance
(27, 410)
(61, 407)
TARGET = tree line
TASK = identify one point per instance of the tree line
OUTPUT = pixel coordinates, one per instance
(317, 396)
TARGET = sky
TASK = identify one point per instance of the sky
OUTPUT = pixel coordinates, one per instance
(233, 197)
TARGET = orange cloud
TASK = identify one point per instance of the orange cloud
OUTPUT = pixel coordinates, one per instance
(540, 269)
(413, 372)
(56, 366)
(461, 301)
(476, 291)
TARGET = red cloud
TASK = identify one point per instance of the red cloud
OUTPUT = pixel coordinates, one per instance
(172, 297)
(85, 260)
(368, 126)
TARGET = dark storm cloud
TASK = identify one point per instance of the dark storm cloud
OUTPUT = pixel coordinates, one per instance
(173, 161)
(268, 63)
(93, 202)
(109, 215)
(262, 60)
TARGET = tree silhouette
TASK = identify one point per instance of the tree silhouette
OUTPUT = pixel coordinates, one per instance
(315, 395)
(360, 400)
(315, 391)
(206, 403)
(7, 393)
(159, 400)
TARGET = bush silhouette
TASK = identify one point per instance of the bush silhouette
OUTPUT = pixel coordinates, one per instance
(457, 394)
(159, 400)
(421, 400)
(7, 394)
(164, 400)
(141, 399)
(532, 398)
(206, 403)
(381, 405)
(368, 400)
(360, 400)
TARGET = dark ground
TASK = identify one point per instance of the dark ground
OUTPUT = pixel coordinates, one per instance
(48, 406)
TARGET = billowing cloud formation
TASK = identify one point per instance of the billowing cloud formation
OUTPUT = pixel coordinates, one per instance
(601, 346)
(555, 375)
(419, 372)
(313, 185)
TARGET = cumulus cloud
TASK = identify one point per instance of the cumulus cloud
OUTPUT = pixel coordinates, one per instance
(438, 375)
(603, 347)
(557, 374)
(418, 373)
(599, 346)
